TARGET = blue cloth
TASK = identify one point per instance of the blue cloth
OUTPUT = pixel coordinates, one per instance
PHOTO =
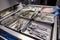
(56, 11)
(8, 36)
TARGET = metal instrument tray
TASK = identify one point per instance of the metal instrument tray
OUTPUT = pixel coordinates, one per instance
(19, 25)
(39, 30)
(42, 17)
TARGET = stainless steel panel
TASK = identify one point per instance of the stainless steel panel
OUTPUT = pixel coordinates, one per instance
(7, 3)
(11, 13)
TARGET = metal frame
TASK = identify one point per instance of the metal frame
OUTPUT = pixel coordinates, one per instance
(55, 30)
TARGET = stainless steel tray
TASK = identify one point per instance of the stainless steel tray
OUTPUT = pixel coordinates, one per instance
(39, 30)
(26, 14)
(29, 31)
(29, 11)
(42, 17)
(19, 25)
